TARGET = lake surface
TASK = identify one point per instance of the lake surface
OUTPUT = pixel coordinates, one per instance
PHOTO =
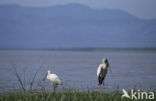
(77, 69)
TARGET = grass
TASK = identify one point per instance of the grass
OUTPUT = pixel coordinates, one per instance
(66, 96)
(22, 82)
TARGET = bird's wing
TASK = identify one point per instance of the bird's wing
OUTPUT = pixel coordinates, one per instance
(54, 76)
(99, 70)
(56, 79)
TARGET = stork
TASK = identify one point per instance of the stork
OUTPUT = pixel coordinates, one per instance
(102, 71)
(54, 79)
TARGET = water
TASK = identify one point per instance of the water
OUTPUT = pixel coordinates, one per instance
(77, 69)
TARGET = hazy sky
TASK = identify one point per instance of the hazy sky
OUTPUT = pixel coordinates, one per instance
(141, 8)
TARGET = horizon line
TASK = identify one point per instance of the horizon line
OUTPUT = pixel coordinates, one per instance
(82, 49)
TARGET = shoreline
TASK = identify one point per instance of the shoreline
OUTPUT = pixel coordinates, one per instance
(81, 49)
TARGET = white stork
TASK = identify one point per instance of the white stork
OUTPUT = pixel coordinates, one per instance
(53, 78)
(102, 71)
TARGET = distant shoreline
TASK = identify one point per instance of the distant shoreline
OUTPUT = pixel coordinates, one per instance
(79, 49)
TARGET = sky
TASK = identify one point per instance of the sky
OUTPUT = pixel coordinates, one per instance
(145, 9)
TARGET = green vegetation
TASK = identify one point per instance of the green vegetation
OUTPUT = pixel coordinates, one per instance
(66, 96)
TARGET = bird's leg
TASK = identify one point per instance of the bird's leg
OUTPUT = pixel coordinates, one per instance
(99, 79)
(102, 80)
(54, 87)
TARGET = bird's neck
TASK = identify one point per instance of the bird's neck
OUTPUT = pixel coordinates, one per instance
(106, 64)
(48, 74)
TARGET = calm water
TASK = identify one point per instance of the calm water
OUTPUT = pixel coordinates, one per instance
(130, 69)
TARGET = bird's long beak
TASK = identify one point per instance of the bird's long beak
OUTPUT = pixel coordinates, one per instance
(45, 77)
(110, 69)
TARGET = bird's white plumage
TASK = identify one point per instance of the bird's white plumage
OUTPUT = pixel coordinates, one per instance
(54, 78)
(101, 67)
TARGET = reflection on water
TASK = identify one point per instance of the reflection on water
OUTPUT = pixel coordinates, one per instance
(78, 69)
